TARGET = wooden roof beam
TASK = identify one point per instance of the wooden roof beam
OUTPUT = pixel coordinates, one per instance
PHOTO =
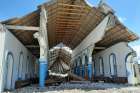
(26, 28)
(69, 23)
(69, 5)
(66, 13)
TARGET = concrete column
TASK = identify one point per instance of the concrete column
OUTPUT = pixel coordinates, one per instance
(43, 62)
(90, 71)
(90, 68)
(42, 37)
(43, 68)
(78, 67)
(75, 67)
(83, 66)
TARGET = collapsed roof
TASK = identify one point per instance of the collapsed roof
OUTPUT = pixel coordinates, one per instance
(70, 21)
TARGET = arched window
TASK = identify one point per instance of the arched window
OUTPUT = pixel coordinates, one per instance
(101, 66)
(135, 74)
(86, 60)
(80, 66)
(9, 70)
(113, 65)
(80, 61)
(130, 67)
(76, 63)
(86, 66)
(20, 66)
(94, 65)
(75, 66)
(27, 68)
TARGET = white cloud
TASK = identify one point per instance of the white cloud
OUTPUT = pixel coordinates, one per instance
(122, 19)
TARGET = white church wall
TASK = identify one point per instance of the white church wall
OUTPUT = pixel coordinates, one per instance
(120, 50)
(12, 45)
(2, 44)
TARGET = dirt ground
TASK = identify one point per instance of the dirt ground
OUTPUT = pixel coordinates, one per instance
(81, 87)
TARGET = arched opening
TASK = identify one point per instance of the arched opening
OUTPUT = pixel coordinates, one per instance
(27, 68)
(80, 66)
(9, 71)
(113, 65)
(130, 68)
(94, 67)
(101, 66)
(20, 66)
(86, 66)
(86, 60)
(75, 66)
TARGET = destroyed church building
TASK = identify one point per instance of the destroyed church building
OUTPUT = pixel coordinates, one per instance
(67, 38)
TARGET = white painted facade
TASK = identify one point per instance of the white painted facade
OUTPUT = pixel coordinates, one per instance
(22, 64)
(120, 52)
(2, 44)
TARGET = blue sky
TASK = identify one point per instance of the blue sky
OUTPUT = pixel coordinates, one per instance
(128, 11)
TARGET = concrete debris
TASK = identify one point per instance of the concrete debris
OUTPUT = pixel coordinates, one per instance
(75, 77)
(64, 77)
(85, 87)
